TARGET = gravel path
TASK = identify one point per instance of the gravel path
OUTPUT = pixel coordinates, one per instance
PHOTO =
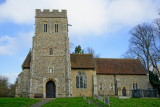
(41, 103)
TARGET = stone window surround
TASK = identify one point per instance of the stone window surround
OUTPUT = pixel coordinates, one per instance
(51, 70)
(100, 85)
(111, 86)
(50, 51)
(134, 86)
(84, 80)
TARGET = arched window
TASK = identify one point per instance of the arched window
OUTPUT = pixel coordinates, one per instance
(100, 86)
(81, 80)
(77, 81)
(111, 87)
(135, 86)
(50, 51)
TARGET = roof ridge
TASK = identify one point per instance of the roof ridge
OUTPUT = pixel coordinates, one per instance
(116, 58)
(79, 54)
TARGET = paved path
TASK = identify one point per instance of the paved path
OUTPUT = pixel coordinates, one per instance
(95, 103)
(41, 103)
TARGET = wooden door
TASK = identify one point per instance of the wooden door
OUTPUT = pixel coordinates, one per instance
(50, 89)
(124, 91)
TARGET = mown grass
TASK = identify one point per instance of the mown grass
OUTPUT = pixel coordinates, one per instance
(17, 102)
(80, 102)
(69, 102)
(132, 102)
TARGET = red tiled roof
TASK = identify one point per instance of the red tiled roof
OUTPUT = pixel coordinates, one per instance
(103, 65)
(119, 66)
(82, 61)
(26, 63)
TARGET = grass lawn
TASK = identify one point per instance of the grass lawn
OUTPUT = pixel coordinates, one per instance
(17, 102)
(69, 102)
(133, 102)
(80, 102)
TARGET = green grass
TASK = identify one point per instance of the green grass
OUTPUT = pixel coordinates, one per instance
(69, 102)
(80, 102)
(17, 102)
(133, 102)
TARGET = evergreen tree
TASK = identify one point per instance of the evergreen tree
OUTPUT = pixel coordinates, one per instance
(79, 50)
(154, 80)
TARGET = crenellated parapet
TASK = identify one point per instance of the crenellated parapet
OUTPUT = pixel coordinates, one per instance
(50, 14)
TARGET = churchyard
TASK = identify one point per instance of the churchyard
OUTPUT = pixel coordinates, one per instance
(83, 102)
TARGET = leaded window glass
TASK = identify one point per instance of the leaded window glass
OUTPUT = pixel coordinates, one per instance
(85, 82)
(81, 80)
(77, 81)
(136, 86)
(133, 86)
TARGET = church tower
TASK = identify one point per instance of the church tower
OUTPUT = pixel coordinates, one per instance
(50, 72)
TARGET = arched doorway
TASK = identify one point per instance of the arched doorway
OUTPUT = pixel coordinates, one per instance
(50, 89)
(124, 91)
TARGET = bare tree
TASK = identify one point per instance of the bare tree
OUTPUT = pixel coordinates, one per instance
(144, 44)
(91, 51)
(156, 40)
(12, 88)
(71, 45)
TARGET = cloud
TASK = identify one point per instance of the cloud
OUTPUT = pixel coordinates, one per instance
(10, 46)
(85, 16)
(7, 45)
(11, 76)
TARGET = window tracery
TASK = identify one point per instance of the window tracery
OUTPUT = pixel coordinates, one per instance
(81, 80)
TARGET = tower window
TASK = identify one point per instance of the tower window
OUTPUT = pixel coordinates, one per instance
(56, 28)
(50, 51)
(45, 27)
(50, 70)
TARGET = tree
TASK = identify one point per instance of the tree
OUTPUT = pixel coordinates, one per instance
(78, 50)
(12, 88)
(154, 80)
(156, 40)
(142, 44)
(91, 51)
(71, 45)
(4, 90)
(145, 43)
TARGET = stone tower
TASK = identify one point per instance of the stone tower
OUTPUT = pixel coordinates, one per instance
(50, 71)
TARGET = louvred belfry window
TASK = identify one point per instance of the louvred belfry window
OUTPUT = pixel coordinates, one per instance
(56, 28)
(45, 27)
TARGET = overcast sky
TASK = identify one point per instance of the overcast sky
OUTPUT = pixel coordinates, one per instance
(100, 24)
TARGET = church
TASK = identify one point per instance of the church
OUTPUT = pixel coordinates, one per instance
(50, 71)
